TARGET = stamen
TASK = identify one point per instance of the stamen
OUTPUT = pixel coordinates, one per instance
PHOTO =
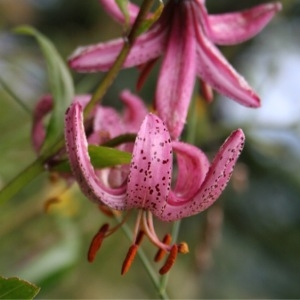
(145, 70)
(129, 258)
(206, 91)
(51, 202)
(150, 232)
(183, 248)
(162, 252)
(97, 242)
(114, 229)
(108, 211)
(170, 261)
(139, 237)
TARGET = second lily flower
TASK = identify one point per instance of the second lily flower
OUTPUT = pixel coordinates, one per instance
(185, 35)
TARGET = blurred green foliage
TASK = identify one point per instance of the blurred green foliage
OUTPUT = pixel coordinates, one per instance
(257, 249)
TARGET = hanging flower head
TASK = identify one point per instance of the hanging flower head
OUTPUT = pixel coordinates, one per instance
(148, 186)
(185, 36)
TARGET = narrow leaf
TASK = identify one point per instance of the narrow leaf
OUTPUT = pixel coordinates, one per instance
(60, 83)
(15, 288)
(101, 157)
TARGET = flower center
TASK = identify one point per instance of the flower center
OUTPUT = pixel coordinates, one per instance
(144, 226)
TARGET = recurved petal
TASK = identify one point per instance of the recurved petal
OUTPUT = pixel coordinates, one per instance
(213, 68)
(100, 57)
(135, 111)
(193, 166)
(43, 107)
(112, 8)
(177, 74)
(213, 185)
(220, 171)
(233, 28)
(149, 178)
(83, 171)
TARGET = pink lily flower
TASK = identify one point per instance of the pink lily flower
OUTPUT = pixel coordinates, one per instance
(107, 122)
(148, 187)
(184, 35)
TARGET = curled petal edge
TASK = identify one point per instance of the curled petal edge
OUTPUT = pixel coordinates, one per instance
(233, 28)
(215, 181)
(83, 171)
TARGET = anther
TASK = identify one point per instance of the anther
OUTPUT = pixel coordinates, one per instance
(183, 248)
(51, 202)
(161, 252)
(129, 258)
(107, 211)
(170, 260)
(97, 242)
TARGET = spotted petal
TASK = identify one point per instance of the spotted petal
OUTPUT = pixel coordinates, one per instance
(211, 188)
(150, 170)
(233, 28)
(83, 171)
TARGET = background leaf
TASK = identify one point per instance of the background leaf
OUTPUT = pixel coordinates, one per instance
(60, 82)
(15, 288)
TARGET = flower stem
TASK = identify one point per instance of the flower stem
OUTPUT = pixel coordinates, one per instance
(36, 167)
(10, 92)
(22, 179)
(114, 70)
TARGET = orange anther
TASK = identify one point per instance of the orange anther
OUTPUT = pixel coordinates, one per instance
(129, 258)
(108, 211)
(183, 248)
(170, 261)
(97, 242)
(161, 252)
(50, 202)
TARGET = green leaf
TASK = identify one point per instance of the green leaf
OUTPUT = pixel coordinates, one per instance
(101, 157)
(15, 288)
(60, 83)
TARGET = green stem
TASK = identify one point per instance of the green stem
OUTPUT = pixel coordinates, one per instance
(37, 167)
(14, 96)
(22, 179)
(114, 70)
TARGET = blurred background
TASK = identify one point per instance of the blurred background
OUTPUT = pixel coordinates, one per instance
(245, 246)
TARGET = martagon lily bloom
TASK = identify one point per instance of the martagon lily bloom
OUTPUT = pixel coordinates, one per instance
(184, 35)
(148, 186)
(107, 124)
